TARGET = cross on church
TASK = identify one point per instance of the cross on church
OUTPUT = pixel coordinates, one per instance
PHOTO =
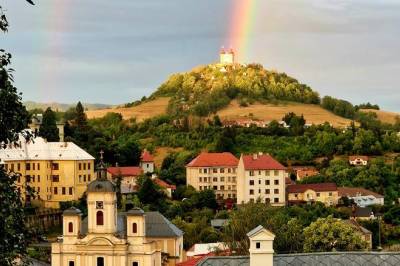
(101, 154)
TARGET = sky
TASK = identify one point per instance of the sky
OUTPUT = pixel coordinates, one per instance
(113, 52)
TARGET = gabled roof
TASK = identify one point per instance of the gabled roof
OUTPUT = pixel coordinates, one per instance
(259, 229)
(39, 149)
(261, 162)
(146, 156)
(206, 159)
(356, 191)
(163, 184)
(125, 171)
(320, 187)
(159, 226)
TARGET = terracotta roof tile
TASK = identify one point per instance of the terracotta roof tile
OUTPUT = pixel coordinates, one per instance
(300, 188)
(125, 171)
(355, 157)
(147, 157)
(164, 184)
(261, 162)
(214, 159)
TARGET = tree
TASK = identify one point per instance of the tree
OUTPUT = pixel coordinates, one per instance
(48, 129)
(13, 119)
(149, 193)
(80, 116)
(329, 234)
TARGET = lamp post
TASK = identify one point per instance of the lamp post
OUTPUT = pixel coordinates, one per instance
(379, 215)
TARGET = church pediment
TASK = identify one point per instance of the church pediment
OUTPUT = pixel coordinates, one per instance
(100, 241)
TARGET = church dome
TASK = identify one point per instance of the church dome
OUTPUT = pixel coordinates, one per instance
(101, 186)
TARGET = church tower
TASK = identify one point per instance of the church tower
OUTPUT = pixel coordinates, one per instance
(226, 57)
(102, 203)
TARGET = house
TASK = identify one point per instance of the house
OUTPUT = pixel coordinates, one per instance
(361, 196)
(326, 193)
(147, 162)
(261, 177)
(218, 223)
(364, 233)
(362, 213)
(215, 171)
(304, 171)
(57, 171)
(106, 237)
(205, 248)
(358, 160)
(168, 188)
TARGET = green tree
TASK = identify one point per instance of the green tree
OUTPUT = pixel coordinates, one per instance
(149, 193)
(329, 234)
(13, 119)
(48, 129)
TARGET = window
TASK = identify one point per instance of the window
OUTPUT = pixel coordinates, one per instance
(55, 178)
(215, 187)
(88, 177)
(259, 181)
(28, 178)
(276, 182)
(200, 179)
(11, 167)
(258, 245)
(267, 182)
(200, 170)
(233, 170)
(33, 178)
(233, 178)
(70, 227)
(135, 263)
(215, 170)
(205, 170)
(222, 179)
(251, 192)
(55, 191)
(84, 178)
(251, 173)
(28, 166)
(38, 189)
(215, 179)
(276, 191)
(84, 166)
(19, 167)
(54, 166)
(71, 263)
(229, 170)
(88, 166)
(267, 200)
(99, 205)
(267, 191)
(100, 261)
(222, 170)
(222, 187)
(259, 172)
(251, 182)
(33, 165)
(276, 172)
(267, 172)
(276, 200)
(200, 187)
(134, 228)
(330, 193)
(318, 194)
(38, 178)
(38, 166)
(70, 190)
(229, 179)
(80, 166)
(80, 178)
(99, 218)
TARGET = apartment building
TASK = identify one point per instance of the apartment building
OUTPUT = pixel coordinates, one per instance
(261, 177)
(56, 171)
(217, 171)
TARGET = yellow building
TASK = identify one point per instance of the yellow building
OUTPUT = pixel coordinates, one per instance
(215, 171)
(326, 193)
(261, 177)
(108, 238)
(56, 171)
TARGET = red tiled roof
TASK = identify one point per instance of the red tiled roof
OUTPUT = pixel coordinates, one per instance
(164, 184)
(261, 162)
(125, 171)
(214, 159)
(308, 172)
(288, 181)
(356, 191)
(194, 260)
(300, 188)
(355, 157)
(147, 157)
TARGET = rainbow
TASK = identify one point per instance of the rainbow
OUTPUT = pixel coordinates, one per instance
(241, 27)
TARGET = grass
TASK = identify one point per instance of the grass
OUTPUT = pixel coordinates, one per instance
(384, 116)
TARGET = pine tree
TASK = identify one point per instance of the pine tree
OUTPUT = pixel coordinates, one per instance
(48, 129)
(80, 119)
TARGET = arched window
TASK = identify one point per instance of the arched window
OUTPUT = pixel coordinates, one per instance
(99, 218)
(70, 227)
(134, 228)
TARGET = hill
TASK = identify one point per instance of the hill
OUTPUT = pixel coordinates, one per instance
(313, 114)
(384, 116)
(63, 106)
(141, 112)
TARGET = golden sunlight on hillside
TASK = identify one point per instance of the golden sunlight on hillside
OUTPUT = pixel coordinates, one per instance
(384, 116)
